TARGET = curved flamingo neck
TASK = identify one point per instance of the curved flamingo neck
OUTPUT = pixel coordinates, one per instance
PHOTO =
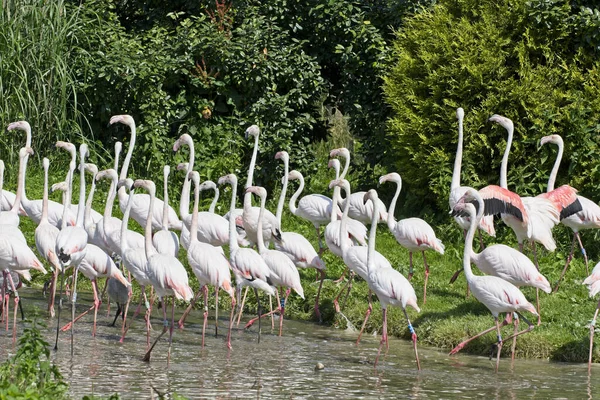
(504, 165)
(165, 216)
(281, 202)
(346, 166)
(233, 244)
(67, 195)
(372, 234)
(248, 196)
(44, 218)
(88, 205)
(125, 167)
(118, 148)
(260, 242)
(458, 157)
(469, 243)
(559, 155)
(344, 245)
(293, 208)
(391, 221)
(194, 226)
(81, 205)
(184, 203)
(21, 183)
(335, 198)
(150, 250)
(125, 222)
(213, 204)
(110, 200)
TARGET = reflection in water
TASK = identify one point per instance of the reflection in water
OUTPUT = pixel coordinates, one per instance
(284, 367)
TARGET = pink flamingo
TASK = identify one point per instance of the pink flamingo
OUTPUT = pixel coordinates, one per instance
(167, 274)
(587, 218)
(413, 234)
(498, 295)
(390, 286)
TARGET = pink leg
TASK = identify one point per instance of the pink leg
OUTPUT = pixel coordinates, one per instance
(172, 327)
(367, 314)
(383, 335)
(205, 291)
(136, 312)
(410, 268)
(125, 315)
(242, 306)
(569, 258)
(414, 339)
(514, 342)
(52, 292)
(165, 329)
(16, 294)
(189, 309)
(462, 344)
(317, 312)
(341, 277)
(585, 257)
(499, 342)
(231, 322)
(335, 301)
(216, 310)
(282, 310)
(97, 303)
(426, 278)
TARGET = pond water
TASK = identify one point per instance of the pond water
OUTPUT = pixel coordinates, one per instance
(284, 367)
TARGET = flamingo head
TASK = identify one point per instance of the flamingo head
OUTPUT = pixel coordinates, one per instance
(253, 130)
(228, 179)
(123, 119)
(145, 184)
(70, 147)
(293, 174)
(25, 151)
(91, 168)
(127, 183)
(460, 113)
(183, 139)
(370, 195)
(503, 121)
(282, 155)
(208, 185)
(257, 190)
(342, 183)
(59, 186)
(556, 139)
(342, 151)
(108, 174)
(392, 176)
(463, 209)
(182, 166)
(20, 125)
(194, 176)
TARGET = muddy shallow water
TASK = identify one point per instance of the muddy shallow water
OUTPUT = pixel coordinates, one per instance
(283, 367)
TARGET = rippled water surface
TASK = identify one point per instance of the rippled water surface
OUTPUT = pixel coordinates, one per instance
(283, 367)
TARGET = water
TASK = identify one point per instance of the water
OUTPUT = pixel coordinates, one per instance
(283, 367)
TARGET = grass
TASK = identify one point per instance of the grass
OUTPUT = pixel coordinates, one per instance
(448, 317)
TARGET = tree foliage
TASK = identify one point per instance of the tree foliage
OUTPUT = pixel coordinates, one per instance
(532, 61)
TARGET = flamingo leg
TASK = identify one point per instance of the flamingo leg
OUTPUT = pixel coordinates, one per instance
(53, 292)
(481, 245)
(242, 306)
(97, 303)
(426, 278)
(165, 329)
(592, 329)
(414, 339)
(77, 318)
(233, 303)
(172, 326)
(514, 342)
(271, 308)
(124, 312)
(335, 301)
(189, 309)
(341, 278)
(73, 303)
(410, 268)
(529, 328)
(367, 314)
(119, 310)
(460, 346)
(216, 311)
(62, 282)
(569, 258)
(585, 257)
(205, 315)
(317, 312)
(135, 313)
(282, 308)
(16, 294)
(321, 248)
(258, 310)
(499, 349)
(348, 291)
(383, 335)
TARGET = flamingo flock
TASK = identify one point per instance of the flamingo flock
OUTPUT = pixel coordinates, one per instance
(262, 256)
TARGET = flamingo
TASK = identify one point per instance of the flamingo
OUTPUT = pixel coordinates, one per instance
(390, 286)
(413, 234)
(167, 274)
(505, 262)
(293, 244)
(210, 266)
(45, 239)
(11, 217)
(135, 261)
(284, 273)
(271, 228)
(498, 295)
(358, 210)
(139, 210)
(71, 241)
(246, 263)
(587, 218)
(593, 282)
(355, 257)
(457, 191)
(165, 241)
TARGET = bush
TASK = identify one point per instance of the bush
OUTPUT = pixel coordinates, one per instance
(532, 61)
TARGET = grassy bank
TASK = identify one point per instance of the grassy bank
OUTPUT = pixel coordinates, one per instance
(448, 317)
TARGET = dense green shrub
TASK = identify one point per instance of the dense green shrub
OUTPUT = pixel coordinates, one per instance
(532, 61)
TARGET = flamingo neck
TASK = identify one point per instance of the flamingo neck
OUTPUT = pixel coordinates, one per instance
(504, 165)
(125, 167)
(346, 167)
(194, 226)
(372, 234)
(391, 221)
(44, 196)
(554, 172)
(81, 205)
(213, 204)
(124, 224)
(150, 250)
(184, 203)
(165, 216)
(469, 245)
(296, 194)
(67, 196)
(260, 242)
(344, 245)
(233, 244)
(110, 200)
(88, 205)
(248, 196)
(21, 184)
(458, 157)
(281, 202)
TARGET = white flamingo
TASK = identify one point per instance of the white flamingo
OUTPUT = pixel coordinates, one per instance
(11, 217)
(413, 234)
(139, 210)
(165, 241)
